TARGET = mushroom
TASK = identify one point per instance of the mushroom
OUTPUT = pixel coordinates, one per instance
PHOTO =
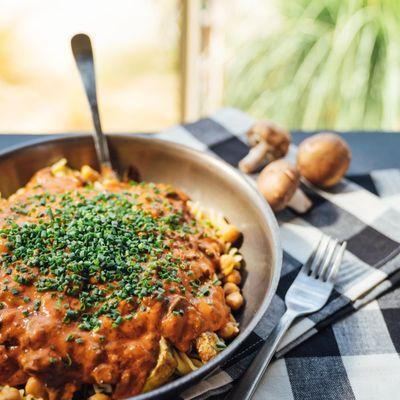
(323, 159)
(279, 184)
(268, 142)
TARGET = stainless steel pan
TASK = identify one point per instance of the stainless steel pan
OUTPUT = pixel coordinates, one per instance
(207, 180)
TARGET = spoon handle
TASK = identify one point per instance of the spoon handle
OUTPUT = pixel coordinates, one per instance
(83, 54)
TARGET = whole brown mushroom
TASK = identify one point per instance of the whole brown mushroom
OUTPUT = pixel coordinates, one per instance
(268, 142)
(323, 159)
(279, 183)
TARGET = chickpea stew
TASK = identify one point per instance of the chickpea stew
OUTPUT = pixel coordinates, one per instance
(109, 288)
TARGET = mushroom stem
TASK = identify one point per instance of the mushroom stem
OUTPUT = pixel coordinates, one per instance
(300, 202)
(254, 158)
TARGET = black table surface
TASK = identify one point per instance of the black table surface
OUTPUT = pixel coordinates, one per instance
(370, 150)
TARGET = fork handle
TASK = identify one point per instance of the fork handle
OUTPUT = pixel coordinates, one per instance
(247, 385)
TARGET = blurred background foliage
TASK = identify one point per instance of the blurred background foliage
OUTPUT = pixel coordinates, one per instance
(330, 64)
(307, 64)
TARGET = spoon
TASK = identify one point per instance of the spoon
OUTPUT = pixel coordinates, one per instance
(83, 54)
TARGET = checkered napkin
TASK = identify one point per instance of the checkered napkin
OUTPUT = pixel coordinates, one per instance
(338, 365)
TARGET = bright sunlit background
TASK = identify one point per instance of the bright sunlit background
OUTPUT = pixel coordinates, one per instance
(135, 44)
(307, 64)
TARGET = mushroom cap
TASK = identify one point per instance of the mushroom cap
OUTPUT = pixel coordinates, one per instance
(277, 138)
(323, 159)
(277, 182)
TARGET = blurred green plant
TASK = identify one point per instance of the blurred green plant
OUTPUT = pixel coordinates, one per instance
(332, 64)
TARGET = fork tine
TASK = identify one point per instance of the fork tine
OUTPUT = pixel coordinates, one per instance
(320, 255)
(335, 266)
(307, 265)
(329, 256)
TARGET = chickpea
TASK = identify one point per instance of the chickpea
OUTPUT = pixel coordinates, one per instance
(230, 287)
(231, 233)
(229, 331)
(10, 393)
(234, 300)
(99, 396)
(35, 388)
(234, 277)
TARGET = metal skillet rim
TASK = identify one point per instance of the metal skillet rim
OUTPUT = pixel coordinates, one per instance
(184, 382)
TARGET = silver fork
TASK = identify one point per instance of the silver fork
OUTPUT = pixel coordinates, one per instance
(308, 293)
